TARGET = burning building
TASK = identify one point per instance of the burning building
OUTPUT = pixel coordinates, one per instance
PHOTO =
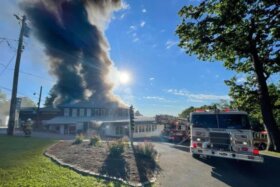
(72, 34)
(89, 118)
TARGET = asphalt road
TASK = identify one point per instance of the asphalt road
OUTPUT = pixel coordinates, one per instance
(179, 168)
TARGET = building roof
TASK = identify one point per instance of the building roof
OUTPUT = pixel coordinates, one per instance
(45, 109)
(91, 104)
(144, 118)
(73, 120)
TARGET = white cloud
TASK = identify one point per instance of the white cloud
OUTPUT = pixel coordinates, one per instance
(122, 16)
(142, 24)
(151, 78)
(154, 98)
(158, 99)
(125, 5)
(170, 43)
(144, 10)
(135, 39)
(197, 97)
(132, 27)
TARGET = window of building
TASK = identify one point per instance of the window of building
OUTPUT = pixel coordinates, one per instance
(102, 112)
(66, 112)
(142, 128)
(88, 112)
(74, 112)
(119, 130)
(135, 129)
(82, 112)
(96, 112)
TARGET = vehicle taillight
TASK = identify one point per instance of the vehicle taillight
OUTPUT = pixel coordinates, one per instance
(256, 152)
(227, 110)
(194, 145)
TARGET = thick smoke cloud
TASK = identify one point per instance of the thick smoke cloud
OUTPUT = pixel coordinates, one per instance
(72, 32)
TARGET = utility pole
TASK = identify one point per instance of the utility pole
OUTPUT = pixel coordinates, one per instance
(38, 107)
(11, 124)
(131, 124)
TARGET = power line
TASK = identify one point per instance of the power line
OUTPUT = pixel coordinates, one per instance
(10, 39)
(5, 68)
(22, 94)
(33, 75)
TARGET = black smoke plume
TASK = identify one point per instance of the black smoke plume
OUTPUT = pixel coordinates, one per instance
(72, 32)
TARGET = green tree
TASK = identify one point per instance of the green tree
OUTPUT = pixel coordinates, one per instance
(4, 104)
(185, 113)
(245, 97)
(244, 34)
(49, 102)
(27, 102)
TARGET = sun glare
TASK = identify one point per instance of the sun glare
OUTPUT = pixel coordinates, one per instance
(124, 77)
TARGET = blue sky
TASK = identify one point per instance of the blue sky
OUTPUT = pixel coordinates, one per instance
(143, 43)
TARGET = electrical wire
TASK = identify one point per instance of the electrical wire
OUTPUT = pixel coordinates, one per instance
(20, 93)
(5, 68)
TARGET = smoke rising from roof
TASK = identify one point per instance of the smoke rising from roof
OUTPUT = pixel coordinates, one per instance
(72, 32)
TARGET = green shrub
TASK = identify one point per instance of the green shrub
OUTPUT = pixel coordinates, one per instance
(146, 149)
(94, 140)
(116, 148)
(125, 139)
(79, 139)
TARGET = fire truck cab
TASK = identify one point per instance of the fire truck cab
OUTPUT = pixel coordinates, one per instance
(225, 134)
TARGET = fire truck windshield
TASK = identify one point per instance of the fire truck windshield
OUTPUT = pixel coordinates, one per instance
(229, 121)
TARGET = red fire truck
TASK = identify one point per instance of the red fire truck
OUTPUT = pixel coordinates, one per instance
(225, 134)
(175, 129)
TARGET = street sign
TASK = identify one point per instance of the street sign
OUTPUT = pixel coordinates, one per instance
(18, 104)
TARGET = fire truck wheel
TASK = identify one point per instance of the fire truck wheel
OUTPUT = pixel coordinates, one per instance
(196, 156)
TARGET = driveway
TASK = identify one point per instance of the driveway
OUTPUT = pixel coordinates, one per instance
(179, 168)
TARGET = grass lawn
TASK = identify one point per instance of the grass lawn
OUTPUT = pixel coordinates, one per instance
(22, 163)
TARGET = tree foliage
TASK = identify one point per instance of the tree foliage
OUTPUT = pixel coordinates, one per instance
(222, 104)
(245, 97)
(4, 104)
(27, 102)
(245, 36)
(49, 102)
(223, 30)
